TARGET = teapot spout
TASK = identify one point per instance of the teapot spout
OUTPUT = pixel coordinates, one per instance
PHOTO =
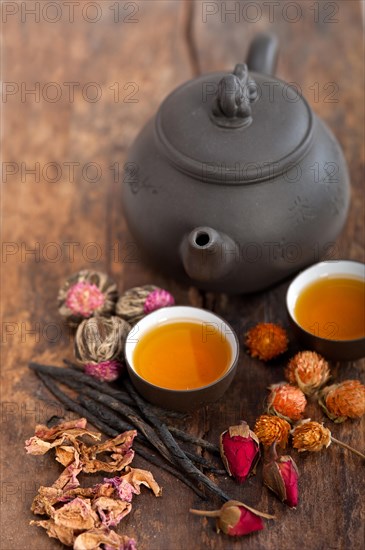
(208, 255)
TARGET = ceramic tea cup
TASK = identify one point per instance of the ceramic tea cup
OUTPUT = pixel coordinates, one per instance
(182, 399)
(329, 347)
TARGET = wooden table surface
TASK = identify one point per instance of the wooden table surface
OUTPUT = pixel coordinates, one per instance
(96, 83)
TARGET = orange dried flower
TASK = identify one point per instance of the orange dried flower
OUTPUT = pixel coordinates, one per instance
(286, 401)
(270, 429)
(344, 400)
(308, 370)
(310, 436)
(266, 341)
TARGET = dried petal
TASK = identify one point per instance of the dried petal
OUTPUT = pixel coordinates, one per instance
(137, 477)
(270, 429)
(63, 534)
(266, 341)
(76, 515)
(110, 540)
(240, 451)
(286, 401)
(308, 370)
(310, 436)
(344, 400)
(111, 511)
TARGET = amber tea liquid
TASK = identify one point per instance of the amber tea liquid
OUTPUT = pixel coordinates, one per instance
(182, 355)
(333, 308)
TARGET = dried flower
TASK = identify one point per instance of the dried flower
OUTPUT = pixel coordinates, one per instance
(308, 370)
(310, 436)
(266, 341)
(286, 401)
(106, 371)
(344, 400)
(136, 302)
(86, 294)
(236, 518)
(240, 451)
(103, 538)
(281, 476)
(101, 339)
(270, 429)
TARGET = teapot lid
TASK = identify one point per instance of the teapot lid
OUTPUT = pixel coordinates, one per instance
(234, 128)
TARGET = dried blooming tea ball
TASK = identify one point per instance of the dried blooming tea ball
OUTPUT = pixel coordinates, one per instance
(106, 371)
(240, 451)
(136, 302)
(286, 401)
(308, 370)
(344, 400)
(266, 341)
(86, 294)
(100, 339)
(310, 436)
(272, 429)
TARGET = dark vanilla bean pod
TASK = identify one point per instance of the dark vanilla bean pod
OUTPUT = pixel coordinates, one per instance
(188, 438)
(100, 408)
(111, 418)
(71, 405)
(172, 445)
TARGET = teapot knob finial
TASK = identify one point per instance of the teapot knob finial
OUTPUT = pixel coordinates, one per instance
(231, 106)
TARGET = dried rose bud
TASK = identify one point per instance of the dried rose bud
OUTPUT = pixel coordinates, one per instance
(106, 371)
(286, 401)
(344, 400)
(270, 429)
(240, 451)
(281, 476)
(266, 341)
(101, 339)
(310, 436)
(308, 370)
(235, 518)
(136, 302)
(86, 294)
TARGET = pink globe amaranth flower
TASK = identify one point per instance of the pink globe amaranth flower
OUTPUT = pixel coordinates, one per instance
(84, 298)
(106, 371)
(157, 299)
(240, 451)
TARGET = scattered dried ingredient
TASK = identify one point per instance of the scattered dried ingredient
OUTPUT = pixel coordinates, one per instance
(308, 370)
(106, 371)
(85, 294)
(236, 518)
(310, 436)
(266, 341)
(272, 429)
(110, 540)
(286, 401)
(82, 517)
(240, 451)
(280, 474)
(136, 302)
(344, 400)
(101, 339)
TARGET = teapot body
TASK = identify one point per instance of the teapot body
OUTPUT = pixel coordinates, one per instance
(271, 229)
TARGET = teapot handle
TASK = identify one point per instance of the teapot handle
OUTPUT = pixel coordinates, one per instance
(263, 54)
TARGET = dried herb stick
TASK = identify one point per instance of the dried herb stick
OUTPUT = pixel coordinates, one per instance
(171, 444)
(70, 404)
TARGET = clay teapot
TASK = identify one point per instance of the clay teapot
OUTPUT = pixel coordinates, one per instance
(235, 184)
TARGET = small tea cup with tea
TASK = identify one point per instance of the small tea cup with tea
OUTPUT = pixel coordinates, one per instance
(181, 357)
(326, 306)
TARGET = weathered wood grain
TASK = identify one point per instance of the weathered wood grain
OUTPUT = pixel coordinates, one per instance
(54, 218)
